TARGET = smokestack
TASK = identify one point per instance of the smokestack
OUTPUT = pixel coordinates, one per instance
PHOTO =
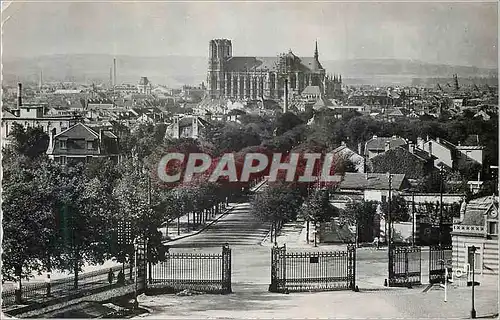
(19, 94)
(40, 82)
(285, 98)
(114, 71)
(111, 77)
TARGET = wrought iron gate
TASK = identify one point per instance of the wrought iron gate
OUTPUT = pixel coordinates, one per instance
(439, 256)
(312, 271)
(204, 272)
(404, 266)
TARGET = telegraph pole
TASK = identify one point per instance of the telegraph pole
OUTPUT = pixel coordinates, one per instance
(389, 233)
(441, 207)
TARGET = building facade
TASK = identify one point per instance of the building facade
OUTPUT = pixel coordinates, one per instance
(478, 227)
(254, 78)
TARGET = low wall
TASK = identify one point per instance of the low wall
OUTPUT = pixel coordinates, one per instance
(33, 310)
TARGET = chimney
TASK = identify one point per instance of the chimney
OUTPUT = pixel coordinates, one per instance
(101, 131)
(342, 143)
(195, 127)
(387, 146)
(420, 143)
(438, 140)
(114, 71)
(285, 98)
(411, 147)
(19, 94)
(360, 146)
(430, 148)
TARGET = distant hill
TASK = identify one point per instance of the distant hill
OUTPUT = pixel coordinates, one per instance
(178, 70)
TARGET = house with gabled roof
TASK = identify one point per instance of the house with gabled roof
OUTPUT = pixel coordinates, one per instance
(379, 145)
(82, 143)
(478, 227)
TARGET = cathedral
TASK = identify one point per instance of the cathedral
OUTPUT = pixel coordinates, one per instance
(255, 78)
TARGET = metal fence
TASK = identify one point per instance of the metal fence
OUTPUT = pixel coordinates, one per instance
(312, 271)
(87, 283)
(205, 272)
(439, 257)
(404, 266)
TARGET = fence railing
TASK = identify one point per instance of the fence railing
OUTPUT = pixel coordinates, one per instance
(312, 271)
(404, 266)
(439, 256)
(88, 283)
(195, 271)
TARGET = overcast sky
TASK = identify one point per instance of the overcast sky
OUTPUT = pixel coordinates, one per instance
(451, 33)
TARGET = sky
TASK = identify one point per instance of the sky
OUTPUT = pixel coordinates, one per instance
(455, 33)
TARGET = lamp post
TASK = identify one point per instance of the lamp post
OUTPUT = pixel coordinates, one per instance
(473, 310)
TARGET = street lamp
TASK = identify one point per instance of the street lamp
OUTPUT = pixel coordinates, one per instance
(473, 310)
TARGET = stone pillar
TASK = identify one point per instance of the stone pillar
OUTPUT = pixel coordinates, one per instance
(297, 86)
(226, 88)
(235, 85)
(276, 86)
(245, 82)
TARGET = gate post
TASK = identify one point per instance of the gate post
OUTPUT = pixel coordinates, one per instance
(226, 269)
(273, 287)
(351, 266)
(407, 276)
(283, 269)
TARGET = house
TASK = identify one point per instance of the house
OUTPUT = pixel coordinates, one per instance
(144, 86)
(33, 116)
(81, 143)
(374, 186)
(477, 226)
(344, 152)
(411, 161)
(379, 145)
(186, 126)
(449, 154)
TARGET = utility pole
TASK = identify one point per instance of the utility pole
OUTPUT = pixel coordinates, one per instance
(441, 207)
(389, 233)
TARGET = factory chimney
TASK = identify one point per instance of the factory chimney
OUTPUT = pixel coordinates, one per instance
(40, 82)
(114, 71)
(19, 95)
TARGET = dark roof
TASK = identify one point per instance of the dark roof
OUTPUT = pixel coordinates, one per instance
(322, 103)
(241, 64)
(78, 131)
(377, 181)
(471, 140)
(379, 143)
(476, 210)
(311, 90)
(144, 81)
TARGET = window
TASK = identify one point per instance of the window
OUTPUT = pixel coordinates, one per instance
(63, 144)
(384, 198)
(63, 160)
(90, 145)
(493, 228)
(476, 256)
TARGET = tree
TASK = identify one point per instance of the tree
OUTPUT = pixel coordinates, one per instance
(276, 204)
(398, 209)
(24, 217)
(287, 121)
(362, 215)
(31, 142)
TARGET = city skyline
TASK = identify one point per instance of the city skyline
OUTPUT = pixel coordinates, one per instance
(443, 33)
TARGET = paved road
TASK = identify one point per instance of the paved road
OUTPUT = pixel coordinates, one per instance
(238, 227)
